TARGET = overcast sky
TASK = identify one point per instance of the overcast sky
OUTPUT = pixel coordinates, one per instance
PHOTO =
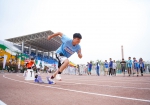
(104, 24)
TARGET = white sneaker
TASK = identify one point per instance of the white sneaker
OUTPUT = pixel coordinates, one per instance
(58, 77)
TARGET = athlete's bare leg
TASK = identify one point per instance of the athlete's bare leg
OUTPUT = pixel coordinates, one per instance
(62, 67)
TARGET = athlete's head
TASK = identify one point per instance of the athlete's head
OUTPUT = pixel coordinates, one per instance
(76, 38)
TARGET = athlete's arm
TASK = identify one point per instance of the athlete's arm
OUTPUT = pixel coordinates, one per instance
(55, 34)
(79, 54)
(27, 64)
(34, 65)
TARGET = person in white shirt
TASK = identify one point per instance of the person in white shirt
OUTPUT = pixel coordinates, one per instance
(114, 68)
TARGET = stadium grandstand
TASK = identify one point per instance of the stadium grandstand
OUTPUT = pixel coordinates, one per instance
(37, 46)
(22, 48)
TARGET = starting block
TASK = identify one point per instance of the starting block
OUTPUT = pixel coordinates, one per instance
(38, 79)
(49, 81)
(29, 74)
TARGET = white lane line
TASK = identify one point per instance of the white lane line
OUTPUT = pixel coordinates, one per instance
(106, 81)
(126, 81)
(75, 83)
(20, 76)
(2, 103)
(83, 92)
(108, 86)
(126, 78)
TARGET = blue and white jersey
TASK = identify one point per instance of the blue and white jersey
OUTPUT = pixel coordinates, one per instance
(129, 63)
(106, 64)
(67, 49)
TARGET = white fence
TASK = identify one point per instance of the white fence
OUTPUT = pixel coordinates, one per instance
(82, 70)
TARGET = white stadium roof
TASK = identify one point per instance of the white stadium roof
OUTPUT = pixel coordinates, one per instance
(38, 41)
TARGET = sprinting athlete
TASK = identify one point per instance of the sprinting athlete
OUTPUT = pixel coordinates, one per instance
(67, 48)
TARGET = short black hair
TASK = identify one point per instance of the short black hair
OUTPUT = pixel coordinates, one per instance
(77, 35)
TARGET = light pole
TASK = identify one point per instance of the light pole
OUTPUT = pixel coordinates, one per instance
(122, 53)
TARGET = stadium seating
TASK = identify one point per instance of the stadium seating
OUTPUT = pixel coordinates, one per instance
(46, 59)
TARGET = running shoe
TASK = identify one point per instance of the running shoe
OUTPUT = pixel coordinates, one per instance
(58, 77)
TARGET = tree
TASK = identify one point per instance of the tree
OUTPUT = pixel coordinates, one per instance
(93, 63)
(118, 64)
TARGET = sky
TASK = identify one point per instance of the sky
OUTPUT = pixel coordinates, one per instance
(105, 25)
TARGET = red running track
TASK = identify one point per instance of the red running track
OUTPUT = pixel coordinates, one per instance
(76, 90)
